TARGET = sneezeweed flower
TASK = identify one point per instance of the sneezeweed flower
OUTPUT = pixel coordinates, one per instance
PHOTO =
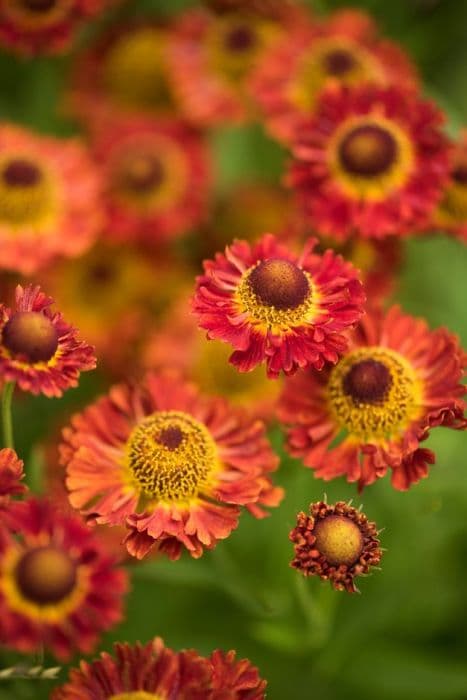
(156, 176)
(451, 214)
(372, 162)
(336, 543)
(58, 587)
(274, 306)
(151, 671)
(125, 72)
(49, 199)
(370, 412)
(11, 474)
(44, 26)
(172, 465)
(38, 349)
(345, 49)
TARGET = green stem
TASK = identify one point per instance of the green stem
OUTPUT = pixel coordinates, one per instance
(8, 390)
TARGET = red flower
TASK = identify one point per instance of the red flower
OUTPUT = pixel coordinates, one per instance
(451, 213)
(49, 199)
(154, 671)
(57, 586)
(11, 473)
(172, 465)
(372, 161)
(274, 306)
(38, 349)
(397, 381)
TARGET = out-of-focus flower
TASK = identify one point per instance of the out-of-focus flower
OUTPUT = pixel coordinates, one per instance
(451, 214)
(50, 202)
(271, 9)
(274, 306)
(58, 588)
(336, 543)
(124, 72)
(397, 381)
(372, 162)
(344, 49)
(11, 474)
(156, 176)
(171, 464)
(140, 672)
(44, 26)
(38, 349)
(211, 59)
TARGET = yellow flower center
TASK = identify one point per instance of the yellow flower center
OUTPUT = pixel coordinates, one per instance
(338, 62)
(373, 393)
(45, 575)
(32, 334)
(338, 539)
(142, 173)
(26, 196)
(136, 695)
(276, 292)
(171, 456)
(134, 70)
(453, 206)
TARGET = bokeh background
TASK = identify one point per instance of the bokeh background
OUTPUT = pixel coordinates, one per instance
(405, 636)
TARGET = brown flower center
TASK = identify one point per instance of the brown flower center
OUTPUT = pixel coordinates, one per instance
(171, 437)
(338, 539)
(338, 62)
(279, 283)
(367, 381)
(32, 334)
(45, 575)
(241, 38)
(21, 173)
(143, 174)
(459, 174)
(38, 5)
(368, 150)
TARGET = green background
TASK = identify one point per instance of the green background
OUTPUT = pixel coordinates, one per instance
(405, 637)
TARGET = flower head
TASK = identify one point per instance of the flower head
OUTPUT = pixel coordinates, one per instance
(172, 465)
(271, 305)
(11, 474)
(372, 161)
(44, 26)
(58, 588)
(38, 349)
(49, 199)
(451, 213)
(397, 381)
(154, 671)
(336, 543)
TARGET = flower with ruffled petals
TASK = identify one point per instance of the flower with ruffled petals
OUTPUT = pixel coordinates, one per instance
(171, 464)
(44, 26)
(152, 671)
(371, 411)
(58, 588)
(336, 543)
(156, 176)
(38, 349)
(274, 306)
(211, 58)
(49, 199)
(344, 49)
(124, 72)
(372, 162)
(11, 474)
(451, 214)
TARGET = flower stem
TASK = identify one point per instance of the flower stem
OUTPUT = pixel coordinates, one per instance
(8, 390)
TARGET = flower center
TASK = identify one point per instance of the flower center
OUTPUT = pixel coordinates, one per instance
(142, 174)
(21, 173)
(338, 539)
(373, 393)
(38, 5)
(240, 38)
(32, 334)
(338, 62)
(171, 456)
(459, 174)
(368, 150)
(45, 575)
(367, 381)
(279, 283)
(26, 194)
(136, 695)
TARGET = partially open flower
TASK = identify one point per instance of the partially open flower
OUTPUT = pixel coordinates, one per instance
(44, 26)
(336, 543)
(397, 381)
(58, 588)
(373, 162)
(156, 177)
(11, 474)
(153, 671)
(451, 213)
(49, 199)
(38, 349)
(274, 306)
(172, 465)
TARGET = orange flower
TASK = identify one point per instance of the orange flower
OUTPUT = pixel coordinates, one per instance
(172, 465)
(451, 214)
(11, 474)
